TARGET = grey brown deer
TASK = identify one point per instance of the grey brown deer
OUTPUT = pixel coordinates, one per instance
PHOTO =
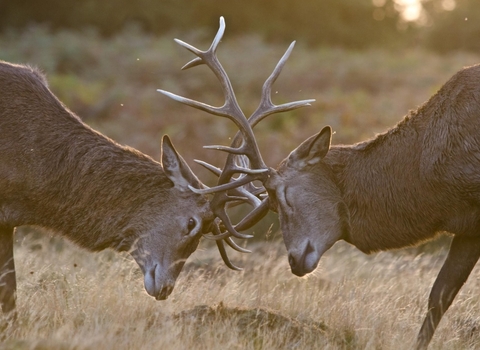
(396, 190)
(58, 173)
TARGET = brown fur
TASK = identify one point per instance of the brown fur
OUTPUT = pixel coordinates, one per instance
(58, 173)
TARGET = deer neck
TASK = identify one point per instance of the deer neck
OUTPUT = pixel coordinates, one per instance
(88, 188)
(380, 183)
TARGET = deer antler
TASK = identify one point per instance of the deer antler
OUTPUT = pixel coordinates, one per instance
(244, 144)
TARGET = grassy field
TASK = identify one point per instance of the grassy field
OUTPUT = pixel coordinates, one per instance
(71, 299)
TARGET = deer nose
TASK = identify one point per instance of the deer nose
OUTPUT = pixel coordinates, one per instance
(298, 261)
(156, 284)
(296, 265)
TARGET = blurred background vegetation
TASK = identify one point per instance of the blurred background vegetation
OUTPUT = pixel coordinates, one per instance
(366, 62)
(441, 25)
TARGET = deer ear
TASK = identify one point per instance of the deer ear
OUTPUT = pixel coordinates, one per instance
(176, 168)
(312, 150)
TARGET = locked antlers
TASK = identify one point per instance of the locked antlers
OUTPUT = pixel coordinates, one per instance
(244, 156)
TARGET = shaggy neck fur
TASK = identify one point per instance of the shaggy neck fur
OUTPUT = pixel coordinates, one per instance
(420, 177)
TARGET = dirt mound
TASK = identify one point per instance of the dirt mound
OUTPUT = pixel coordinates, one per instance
(251, 322)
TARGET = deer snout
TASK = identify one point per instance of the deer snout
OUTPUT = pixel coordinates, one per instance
(303, 261)
(156, 284)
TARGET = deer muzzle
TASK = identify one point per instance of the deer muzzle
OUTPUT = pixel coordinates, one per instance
(303, 261)
(157, 284)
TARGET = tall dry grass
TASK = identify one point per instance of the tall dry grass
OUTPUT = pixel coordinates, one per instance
(72, 299)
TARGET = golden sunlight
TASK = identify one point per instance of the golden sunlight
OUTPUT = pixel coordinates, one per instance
(410, 9)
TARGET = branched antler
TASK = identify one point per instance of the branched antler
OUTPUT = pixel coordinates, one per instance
(244, 156)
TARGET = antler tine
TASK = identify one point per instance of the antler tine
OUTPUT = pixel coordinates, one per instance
(227, 186)
(232, 150)
(249, 189)
(195, 104)
(218, 236)
(254, 216)
(266, 106)
(225, 258)
(249, 195)
(235, 246)
(213, 48)
(218, 205)
(260, 207)
(248, 221)
(253, 190)
(210, 167)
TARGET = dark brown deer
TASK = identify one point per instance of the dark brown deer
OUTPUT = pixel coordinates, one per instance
(58, 173)
(399, 189)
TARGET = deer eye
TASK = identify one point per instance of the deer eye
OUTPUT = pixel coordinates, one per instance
(191, 225)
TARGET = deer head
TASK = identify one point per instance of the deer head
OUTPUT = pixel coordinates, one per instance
(164, 245)
(309, 228)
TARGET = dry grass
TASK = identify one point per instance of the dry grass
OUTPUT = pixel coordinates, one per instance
(72, 299)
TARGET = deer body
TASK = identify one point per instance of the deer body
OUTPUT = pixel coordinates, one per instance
(58, 173)
(398, 194)
(401, 188)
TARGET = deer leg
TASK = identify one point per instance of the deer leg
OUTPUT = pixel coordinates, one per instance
(8, 284)
(462, 257)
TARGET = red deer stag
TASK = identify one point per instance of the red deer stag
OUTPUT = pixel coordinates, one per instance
(399, 189)
(58, 173)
